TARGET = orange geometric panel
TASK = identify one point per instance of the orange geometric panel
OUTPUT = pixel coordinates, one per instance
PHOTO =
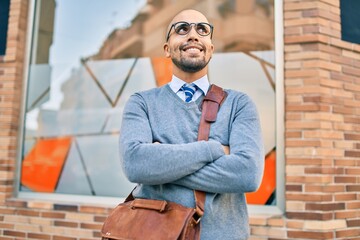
(162, 67)
(268, 184)
(41, 168)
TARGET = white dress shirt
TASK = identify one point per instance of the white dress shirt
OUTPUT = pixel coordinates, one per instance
(202, 83)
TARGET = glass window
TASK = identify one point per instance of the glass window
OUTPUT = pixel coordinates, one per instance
(350, 22)
(87, 61)
(4, 18)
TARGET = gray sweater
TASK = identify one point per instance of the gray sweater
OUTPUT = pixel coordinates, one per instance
(172, 169)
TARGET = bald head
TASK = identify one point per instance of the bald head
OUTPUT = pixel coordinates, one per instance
(184, 14)
(188, 15)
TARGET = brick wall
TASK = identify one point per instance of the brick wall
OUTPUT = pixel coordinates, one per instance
(322, 137)
(322, 89)
(11, 78)
(322, 128)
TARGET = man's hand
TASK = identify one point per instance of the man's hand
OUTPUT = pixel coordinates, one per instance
(226, 149)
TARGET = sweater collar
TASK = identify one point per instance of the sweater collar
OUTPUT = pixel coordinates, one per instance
(202, 83)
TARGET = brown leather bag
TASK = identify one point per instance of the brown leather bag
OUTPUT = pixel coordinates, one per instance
(140, 219)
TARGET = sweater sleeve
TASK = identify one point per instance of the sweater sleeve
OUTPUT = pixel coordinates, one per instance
(242, 169)
(149, 163)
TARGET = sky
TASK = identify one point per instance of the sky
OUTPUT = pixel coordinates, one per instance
(80, 28)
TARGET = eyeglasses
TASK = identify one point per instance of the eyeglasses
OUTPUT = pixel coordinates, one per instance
(183, 28)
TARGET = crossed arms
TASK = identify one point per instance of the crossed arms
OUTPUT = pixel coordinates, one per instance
(204, 165)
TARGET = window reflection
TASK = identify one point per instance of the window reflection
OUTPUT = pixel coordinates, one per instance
(96, 57)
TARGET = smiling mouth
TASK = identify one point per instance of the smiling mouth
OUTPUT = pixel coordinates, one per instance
(192, 49)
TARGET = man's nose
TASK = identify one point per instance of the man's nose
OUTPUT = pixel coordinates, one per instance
(193, 34)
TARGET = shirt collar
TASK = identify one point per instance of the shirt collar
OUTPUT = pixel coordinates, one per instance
(203, 83)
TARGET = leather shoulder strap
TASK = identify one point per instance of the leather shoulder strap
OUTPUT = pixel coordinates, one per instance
(210, 107)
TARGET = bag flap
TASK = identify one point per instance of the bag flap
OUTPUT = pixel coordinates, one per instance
(126, 222)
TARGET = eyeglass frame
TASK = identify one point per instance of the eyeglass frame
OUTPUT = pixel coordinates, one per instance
(195, 24)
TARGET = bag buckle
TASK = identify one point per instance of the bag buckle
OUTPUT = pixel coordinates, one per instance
(197, 217)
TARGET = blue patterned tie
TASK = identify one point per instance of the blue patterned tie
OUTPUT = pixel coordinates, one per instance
(189, 90)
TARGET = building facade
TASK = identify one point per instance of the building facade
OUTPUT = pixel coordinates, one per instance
(317, 120)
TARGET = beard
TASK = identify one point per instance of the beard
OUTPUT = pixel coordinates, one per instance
(190, 65)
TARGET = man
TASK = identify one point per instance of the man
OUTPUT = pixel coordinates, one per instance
(159, 146)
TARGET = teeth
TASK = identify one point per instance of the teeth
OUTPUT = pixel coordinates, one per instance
(192, 49)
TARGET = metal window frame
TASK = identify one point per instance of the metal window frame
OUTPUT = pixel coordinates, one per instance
(277, 209)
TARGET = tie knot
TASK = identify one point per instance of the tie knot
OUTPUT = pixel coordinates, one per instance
(189, 90)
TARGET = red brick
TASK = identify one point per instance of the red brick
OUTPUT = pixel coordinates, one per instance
(345, 196)
(93, 209)
(97, 234)
(66, 224)
(6, 225)
(348, 233)
(324, 170)
(52, 215)
(293, 188)
(349, 153)
(321, 13)
(347, 214)
(352, 171)
(302, 143)
(308, 161)
(353, 223)
(309, 197)
(294, 134)
(93, 226)
(343, 60)
(349, 136)
(326, 189)
(351, 71)
(14, 233)
(28, 212)
(343, 110)
(355, 120)
(324, 206)
(303, 108)
(345, 179)
(99, 218)
(38, 236)
(309, 215)
(16, 203)
(310, 235)
(63, 238)
(353, 205)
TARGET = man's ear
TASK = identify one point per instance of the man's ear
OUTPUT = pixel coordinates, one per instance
(166, 50)
(212, 48)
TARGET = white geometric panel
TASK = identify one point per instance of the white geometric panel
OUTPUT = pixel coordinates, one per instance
(70, 122)
(102, 161)
(81, 92)
(114, 120)
(73, 178)
(267, 56)
(38, 85)
(111, 74)
(141, 78)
